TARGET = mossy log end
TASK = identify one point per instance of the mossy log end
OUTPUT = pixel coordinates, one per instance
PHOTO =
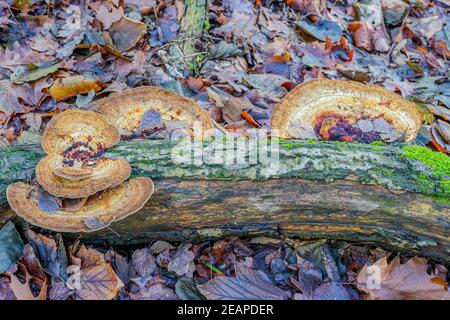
(320, 190)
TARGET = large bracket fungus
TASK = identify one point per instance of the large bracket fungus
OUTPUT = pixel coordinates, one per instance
(345, 111)
(96, 212)
(127, 109)
(75, 141)
(79, 189)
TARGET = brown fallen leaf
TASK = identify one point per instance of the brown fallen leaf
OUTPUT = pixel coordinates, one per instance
(92, 277)
(107, 14)
(33, 274)
(126, 33)
(409, 281)
(247, 116)
(73, 86)
(51, 256)
(361, 35)
(11, 98)
(248, 284)
(22, 291)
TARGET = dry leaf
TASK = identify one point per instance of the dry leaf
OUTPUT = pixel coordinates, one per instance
(409, 281)
(249, 284)
(5, 289)
(73, 86)
(53, 258)
(143, 262)
(182, 259)
(154, 292)
(159, 246)
(126, 33)
(34, 276)
(107, 15)
(92, 277)
(22, 291)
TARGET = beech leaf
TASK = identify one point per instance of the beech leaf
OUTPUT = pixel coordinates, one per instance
(95, 279)
(73, 86)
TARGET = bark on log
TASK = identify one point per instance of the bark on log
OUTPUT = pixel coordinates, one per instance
(211, 200)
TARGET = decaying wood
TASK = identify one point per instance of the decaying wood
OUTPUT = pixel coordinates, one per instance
(300, 199)
(198, 209)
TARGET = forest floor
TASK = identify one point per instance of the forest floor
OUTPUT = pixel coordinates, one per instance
(58, 55)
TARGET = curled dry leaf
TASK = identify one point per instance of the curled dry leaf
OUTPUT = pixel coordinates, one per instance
(22, 291)
(73, 86)
(34, 278)
(385, 280)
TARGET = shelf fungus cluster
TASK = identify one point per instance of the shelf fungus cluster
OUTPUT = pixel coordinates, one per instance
(153, 111)
(78, 188)
(345, 111)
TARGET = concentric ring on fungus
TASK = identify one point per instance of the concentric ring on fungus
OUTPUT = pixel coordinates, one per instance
(75, 141)
(304, 106)
(125, 109)
(104, 207)
(67, 182)
(72, 126)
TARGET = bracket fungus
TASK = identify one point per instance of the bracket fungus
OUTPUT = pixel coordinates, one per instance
(69, 182)
(79, 190)
(345, 111)
(75, 141)
(74, 126)
(127, 109)
(94, 213)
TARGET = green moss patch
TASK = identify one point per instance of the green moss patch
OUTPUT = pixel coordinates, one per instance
(437, 161)
(439, 164)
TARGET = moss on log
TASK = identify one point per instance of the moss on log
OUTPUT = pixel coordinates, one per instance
(409, 168)
(320, 190)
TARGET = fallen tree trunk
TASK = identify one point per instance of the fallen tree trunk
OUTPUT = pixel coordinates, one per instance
(205, 200)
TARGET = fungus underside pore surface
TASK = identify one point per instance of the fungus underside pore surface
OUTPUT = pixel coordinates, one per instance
(411, 168)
